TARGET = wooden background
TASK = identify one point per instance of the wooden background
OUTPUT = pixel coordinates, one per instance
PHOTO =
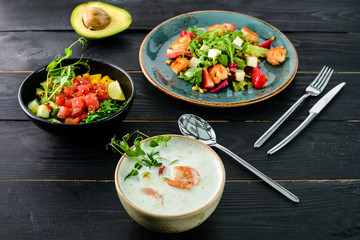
(56, 188)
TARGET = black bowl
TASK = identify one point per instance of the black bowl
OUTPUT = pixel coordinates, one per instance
(27, 93)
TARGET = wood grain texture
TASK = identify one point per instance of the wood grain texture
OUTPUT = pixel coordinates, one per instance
(62, 188)
(151, 104)
(81, 210)
(317, 153)
(32, 50)
(335, 16)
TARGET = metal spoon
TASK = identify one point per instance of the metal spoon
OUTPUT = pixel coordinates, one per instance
(193, 126)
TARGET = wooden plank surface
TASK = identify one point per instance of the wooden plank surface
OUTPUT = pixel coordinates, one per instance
(61, 188)
(151, 104)
(308, 16)
(28, 51)
(317, 153)
(247, 210)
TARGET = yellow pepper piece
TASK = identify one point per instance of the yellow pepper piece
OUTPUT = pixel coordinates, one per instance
(106, 81)
(86, 75)
(95, 78)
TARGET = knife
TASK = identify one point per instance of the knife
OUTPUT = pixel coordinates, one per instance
(314, 111)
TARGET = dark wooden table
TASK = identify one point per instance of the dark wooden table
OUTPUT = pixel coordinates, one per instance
(53, 188)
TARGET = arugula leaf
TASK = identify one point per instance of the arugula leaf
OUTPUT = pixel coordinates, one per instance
(107, 108)
(223, 59)
(240, 63)
(196, 30)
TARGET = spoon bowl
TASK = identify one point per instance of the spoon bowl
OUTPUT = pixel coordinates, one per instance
(195, 127)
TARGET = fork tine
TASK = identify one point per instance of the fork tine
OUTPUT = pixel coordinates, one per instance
(322, 77)
(324, 83)
(318, 76)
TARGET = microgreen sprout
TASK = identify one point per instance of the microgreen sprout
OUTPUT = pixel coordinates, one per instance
(149, 160)
(59, 76)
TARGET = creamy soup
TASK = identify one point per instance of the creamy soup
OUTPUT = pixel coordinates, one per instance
(177, 187)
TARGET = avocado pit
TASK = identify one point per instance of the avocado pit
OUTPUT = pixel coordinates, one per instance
(95, 18)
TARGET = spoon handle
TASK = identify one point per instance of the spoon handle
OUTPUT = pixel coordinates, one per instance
(268, 180)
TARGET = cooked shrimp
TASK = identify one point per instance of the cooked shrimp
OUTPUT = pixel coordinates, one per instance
(218, 73)
(276, 55)
(216, 27)
(152, 192)
(181, 42)
(249, 36)
(184, 177)
(179, 64)
(222, 26)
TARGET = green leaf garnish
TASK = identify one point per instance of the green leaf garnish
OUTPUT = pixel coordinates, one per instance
(173, 161)
(149, 160)
(58, 76)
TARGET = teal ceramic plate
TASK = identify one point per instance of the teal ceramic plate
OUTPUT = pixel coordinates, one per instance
(153, 58)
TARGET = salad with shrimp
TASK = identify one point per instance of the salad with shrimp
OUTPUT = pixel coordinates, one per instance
(219, 56)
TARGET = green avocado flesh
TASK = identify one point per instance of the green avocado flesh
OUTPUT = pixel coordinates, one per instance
(95, 20)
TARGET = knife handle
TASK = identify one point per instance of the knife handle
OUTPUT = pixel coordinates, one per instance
(277, 124)
(292, 135)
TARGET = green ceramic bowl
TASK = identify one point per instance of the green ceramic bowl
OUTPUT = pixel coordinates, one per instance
(152, 59)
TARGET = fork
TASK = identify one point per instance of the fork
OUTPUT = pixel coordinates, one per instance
(314, 89)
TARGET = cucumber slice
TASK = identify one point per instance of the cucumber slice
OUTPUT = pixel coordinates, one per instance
(51, 103)
(54, 111)
(47, 83)
(33, 106)
(54, 120)
(43, 111)
(40, 92)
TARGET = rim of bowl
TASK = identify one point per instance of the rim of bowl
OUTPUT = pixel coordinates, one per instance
(154, 215)
(33, 116)
(206, 104)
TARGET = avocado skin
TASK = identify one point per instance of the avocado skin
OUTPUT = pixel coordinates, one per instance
(120, 20)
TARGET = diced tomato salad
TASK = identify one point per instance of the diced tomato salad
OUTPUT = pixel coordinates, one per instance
(79, 98)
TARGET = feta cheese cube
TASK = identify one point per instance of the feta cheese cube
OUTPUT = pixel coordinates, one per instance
(194, 62)
(204, 48)
(213, 53)
(239, 75)
(251, 61)
(238, 41)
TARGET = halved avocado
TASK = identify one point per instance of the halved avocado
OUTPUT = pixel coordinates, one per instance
(95, 20)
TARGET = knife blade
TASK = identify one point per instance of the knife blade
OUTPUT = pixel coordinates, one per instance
(326, 99)
(314, 111)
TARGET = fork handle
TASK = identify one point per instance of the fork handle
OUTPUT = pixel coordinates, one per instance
(275, 126)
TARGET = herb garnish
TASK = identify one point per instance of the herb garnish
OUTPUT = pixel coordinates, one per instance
(149, 160)
(58, 76)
